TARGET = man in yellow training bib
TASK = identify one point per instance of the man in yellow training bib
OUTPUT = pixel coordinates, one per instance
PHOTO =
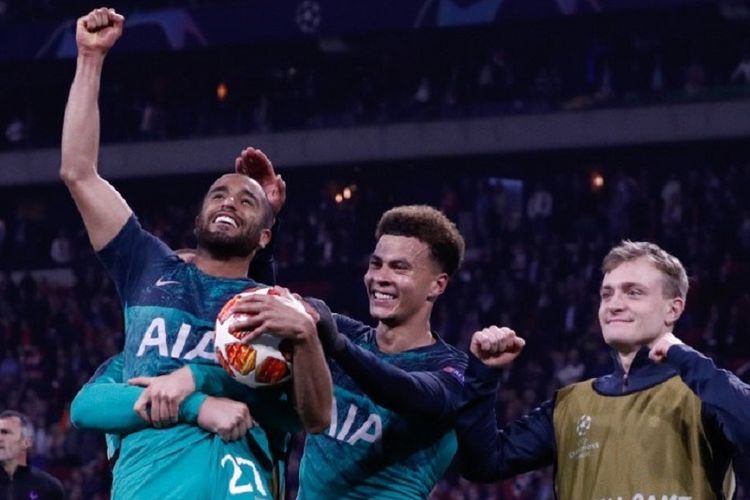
(665, 423)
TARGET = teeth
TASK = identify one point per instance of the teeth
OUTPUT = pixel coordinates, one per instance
(226, 220)
(381, 295)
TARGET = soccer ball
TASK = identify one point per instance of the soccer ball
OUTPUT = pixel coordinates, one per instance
(267, 360)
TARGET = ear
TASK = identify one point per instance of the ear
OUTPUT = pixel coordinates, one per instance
(674, 308)
(27, 443)
(265, 238)
(437, 287)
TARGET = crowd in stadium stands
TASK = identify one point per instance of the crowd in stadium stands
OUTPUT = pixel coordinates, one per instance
(534, 250)
(419, 76)
(47, 9)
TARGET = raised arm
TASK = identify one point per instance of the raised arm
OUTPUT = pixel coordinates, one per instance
(103, 210)
(486, 452)
(724, 396)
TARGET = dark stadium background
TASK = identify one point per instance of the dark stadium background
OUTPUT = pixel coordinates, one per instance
(548, 130)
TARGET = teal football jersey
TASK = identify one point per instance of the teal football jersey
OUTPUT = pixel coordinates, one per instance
(369, 451)
(170, 308)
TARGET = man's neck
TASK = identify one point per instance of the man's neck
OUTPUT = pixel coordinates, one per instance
(626, 360)
(10, 466)
(393, 339)
(234, 267)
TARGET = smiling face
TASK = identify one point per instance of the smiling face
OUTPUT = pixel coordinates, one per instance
(13, 445)
(402, 280)
(634, 310)
(234, 218)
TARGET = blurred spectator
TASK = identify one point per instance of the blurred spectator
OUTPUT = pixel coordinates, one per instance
(695, 77)
(573, 369)
(18, 479)
(539, 207)
(741, 73)
(3, 235)
(15, 131)
(61, 251)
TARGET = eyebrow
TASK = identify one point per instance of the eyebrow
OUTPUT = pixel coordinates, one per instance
(624, 285)
(396, 261)
(224, 189)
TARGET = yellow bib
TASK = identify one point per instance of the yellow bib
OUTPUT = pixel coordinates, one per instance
(648, 445)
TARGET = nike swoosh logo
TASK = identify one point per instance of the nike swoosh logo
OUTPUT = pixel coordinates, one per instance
(163, 282)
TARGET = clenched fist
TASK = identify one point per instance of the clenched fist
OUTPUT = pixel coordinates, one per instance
(229, 419)
(97, 31)
(661, 345)
(496, 347)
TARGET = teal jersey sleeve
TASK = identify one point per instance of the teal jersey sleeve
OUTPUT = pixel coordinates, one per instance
(119, 399)
(106, 389)
(268, 406)
(108, 372)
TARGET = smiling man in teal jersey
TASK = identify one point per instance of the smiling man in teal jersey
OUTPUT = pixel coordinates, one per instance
(397, 385)
(170, 305)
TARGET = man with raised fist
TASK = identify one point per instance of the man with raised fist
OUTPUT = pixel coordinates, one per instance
(170, 307)
(665, 423)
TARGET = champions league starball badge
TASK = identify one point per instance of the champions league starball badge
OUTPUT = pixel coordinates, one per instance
(583, 425)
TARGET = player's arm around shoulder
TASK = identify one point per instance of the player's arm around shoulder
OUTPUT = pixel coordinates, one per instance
(103, 210)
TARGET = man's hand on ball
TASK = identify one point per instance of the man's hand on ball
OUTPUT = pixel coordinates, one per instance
(257, 314)
(159, 404)
(496, 347)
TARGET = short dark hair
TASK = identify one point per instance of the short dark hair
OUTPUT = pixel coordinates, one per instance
(430, 226)
(27, 427)
(267, 216)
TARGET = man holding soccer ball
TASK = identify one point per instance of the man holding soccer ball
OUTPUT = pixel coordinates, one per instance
(170, 306)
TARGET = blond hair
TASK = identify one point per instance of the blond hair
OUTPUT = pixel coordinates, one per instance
(675, 276)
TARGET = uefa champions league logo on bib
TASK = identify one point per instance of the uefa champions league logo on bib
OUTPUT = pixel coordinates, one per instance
(583, 425)
(584, 447)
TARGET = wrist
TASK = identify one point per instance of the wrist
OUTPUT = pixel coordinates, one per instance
(90, 58)
(199, 377)
(307, 334)
(190, 408)
(676, 353)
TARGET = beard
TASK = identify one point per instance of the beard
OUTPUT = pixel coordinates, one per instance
(222, 246)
